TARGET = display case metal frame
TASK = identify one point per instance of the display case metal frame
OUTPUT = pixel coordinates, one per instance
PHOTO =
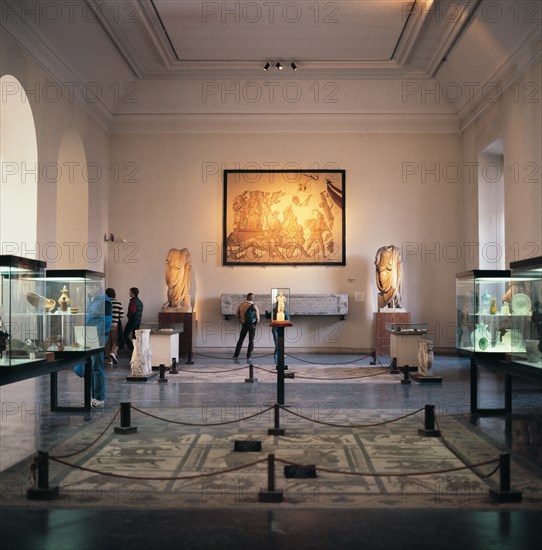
(52, 364)
(497, 362)
(21, 320)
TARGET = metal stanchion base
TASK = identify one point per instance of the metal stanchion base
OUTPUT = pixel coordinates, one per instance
(250, 380)
(162, 380)
(270, 496)
(428, 433)
(505, 496)
(128, 430)
(426, 379)
(276, 431)
(43, 494)
(393, 366)
(145, 378)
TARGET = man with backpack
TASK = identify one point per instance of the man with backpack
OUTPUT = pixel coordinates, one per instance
(249, 317)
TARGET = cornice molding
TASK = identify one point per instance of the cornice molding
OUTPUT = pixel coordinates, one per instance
(528, 52)
(285, 123)
(26, 36)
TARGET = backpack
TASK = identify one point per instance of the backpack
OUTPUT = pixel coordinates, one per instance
(250, 315)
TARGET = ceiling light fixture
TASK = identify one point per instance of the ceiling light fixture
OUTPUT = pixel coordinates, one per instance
(266, 66)
(293, 65)
(278, 66)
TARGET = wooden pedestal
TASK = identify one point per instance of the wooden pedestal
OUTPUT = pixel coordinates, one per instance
(172, 319)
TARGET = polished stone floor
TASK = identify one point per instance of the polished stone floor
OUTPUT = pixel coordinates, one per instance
(214, 388)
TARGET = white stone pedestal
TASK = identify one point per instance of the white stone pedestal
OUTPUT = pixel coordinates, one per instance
(165, 346)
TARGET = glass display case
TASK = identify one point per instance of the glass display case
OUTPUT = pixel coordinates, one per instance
(525, 298)
(484, 312)
(23, 307)
(77, 320)
(407, 328)
(280, 303)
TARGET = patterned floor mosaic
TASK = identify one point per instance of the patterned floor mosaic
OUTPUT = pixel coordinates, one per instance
(170, 451)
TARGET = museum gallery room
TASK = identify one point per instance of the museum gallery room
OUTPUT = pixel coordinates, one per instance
(271, 274)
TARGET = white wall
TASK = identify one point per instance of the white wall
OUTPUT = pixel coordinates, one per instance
(22, 403)
(57, 113)
(176, 200)
(517, 118)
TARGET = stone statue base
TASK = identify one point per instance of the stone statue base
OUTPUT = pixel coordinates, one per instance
(382, 336)
(180, 309)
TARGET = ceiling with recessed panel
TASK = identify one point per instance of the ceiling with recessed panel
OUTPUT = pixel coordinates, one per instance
(172, 38)
(310, 31)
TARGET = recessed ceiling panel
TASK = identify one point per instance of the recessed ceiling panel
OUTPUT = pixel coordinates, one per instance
(306, 30)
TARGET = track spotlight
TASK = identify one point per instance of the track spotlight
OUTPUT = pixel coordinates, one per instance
(293, 65)
(266, 66)
(278, 66)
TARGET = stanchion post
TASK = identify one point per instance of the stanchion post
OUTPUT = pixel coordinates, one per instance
(173, 368)
(125, 420)
(406, 375)
(250, 379)
(162, 378)
(429, 423)
(277, 430)
(42, 491)
(505, 493)
(271, 495)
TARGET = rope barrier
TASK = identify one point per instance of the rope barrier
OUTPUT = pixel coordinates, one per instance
(201, 425)
(386, 371)
(175, 478)
(327, 364)
(211, 371)
(229, 356)
(92, 443)
(404, 474)
(343, 377)
(42, 464)
(351, 425)
(196, 354)
(452, 450)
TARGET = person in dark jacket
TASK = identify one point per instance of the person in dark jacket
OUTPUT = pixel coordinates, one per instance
(135, 312)
(249, 316)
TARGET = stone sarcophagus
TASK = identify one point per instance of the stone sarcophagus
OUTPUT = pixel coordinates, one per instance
(300, 304)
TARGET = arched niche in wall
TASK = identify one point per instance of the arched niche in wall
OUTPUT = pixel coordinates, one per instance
(72, 201)
(19, 176)
(19, 171)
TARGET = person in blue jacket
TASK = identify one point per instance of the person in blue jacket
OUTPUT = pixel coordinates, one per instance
(99, 314)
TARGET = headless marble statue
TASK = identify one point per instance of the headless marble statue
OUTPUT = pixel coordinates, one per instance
(178, 272)
(389, 275)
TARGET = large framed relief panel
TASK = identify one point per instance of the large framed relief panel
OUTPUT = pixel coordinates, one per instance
(284, 217)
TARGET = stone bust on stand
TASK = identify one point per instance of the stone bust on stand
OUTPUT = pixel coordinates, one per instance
(178, 274)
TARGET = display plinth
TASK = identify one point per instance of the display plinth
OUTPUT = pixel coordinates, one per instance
(405, 339)
(169, 319)
(382, 336)
(165, 346)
